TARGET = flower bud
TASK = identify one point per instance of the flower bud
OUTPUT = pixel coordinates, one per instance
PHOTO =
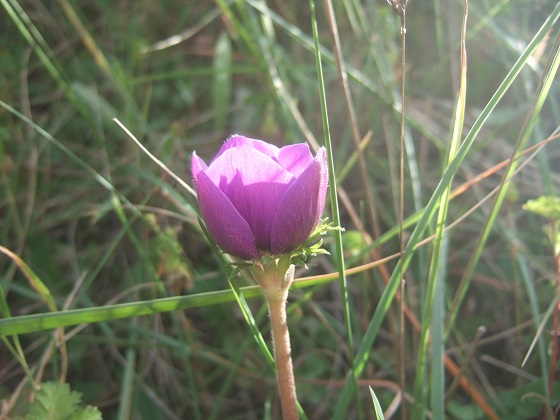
(257, 199)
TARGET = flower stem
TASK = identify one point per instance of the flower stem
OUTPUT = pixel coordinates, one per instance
(276, 300)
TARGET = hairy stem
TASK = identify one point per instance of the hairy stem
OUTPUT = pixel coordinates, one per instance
(276, 300)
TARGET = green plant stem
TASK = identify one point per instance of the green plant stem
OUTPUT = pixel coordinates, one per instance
(276, 300)
(402, 338)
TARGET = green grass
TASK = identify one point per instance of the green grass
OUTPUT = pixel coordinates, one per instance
(102, 245)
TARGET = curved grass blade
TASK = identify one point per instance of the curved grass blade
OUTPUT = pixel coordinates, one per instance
(376, 405)
(33, 279)
(45, 321)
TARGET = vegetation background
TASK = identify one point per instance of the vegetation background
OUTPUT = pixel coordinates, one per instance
(92, 222)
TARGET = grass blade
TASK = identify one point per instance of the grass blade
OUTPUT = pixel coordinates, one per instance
(528, 125)
(334, 201)
(221, 88)
(389, 293)
(433, 305)
(376, 405)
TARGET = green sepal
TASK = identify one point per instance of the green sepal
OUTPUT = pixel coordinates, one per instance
(313, 245)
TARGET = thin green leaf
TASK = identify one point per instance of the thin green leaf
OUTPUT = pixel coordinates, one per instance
(376, 405)
(127, 386)
(33, 279)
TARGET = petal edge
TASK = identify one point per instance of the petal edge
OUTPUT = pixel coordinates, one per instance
(301, 207)
(230, 231)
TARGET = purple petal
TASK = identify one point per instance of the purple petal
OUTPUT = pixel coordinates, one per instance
(301, 207)
(228, 228)
(321, 157)
(239, 141)
(255, 184)
(197, 165)
(295, 158)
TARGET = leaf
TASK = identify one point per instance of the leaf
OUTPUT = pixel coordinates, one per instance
(378, 410)
(87, 413)
(545, 206)
(548, 207)
(464, 411)
(56, 401)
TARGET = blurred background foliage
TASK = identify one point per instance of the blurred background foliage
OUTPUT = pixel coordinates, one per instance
(183, 76)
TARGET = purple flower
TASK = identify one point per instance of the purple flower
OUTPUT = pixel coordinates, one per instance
(257, 199)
